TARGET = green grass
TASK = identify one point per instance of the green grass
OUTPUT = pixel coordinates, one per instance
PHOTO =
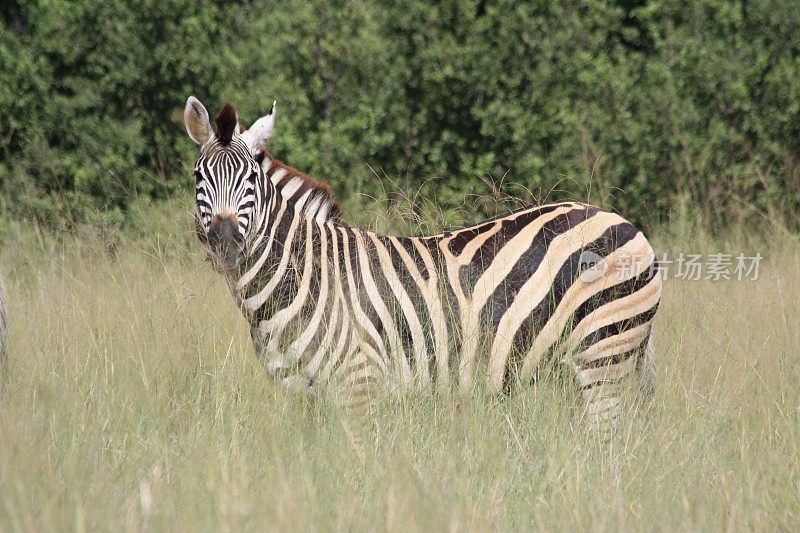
(131, 398)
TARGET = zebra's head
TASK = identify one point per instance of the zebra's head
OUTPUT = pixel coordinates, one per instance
(227, 174)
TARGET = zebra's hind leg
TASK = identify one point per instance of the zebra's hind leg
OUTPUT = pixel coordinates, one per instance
(646, 369)
(606, 372)
(358, 383)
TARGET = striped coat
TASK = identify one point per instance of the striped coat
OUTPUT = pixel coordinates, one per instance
(491, 303)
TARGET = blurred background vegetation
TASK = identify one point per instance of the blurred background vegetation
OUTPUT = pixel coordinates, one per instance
(649, 107)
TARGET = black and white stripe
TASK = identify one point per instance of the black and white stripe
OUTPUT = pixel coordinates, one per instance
(493, 302)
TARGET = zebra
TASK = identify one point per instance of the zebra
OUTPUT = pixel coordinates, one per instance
(334, 306)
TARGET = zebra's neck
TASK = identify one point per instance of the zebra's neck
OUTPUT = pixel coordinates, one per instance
(287, 203)
(284, 183)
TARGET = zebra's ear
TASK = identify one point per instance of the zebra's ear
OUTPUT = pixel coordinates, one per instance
(260, 131)
(195, 117)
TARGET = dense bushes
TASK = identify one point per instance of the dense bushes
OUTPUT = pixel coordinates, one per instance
(642, 106)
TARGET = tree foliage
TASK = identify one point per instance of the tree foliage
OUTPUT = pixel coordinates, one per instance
(638, 105)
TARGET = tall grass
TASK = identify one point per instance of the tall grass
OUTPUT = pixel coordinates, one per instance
(131, 398)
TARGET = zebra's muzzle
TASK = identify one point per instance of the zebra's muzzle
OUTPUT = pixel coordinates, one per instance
(225, 243)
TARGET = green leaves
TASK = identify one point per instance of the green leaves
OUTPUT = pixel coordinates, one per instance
(634, 105)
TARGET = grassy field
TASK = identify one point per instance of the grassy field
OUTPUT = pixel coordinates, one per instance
(131, 398)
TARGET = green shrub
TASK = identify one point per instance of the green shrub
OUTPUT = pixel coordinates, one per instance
(639, 106)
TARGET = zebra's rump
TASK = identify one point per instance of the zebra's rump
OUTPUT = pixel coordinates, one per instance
(519, 286)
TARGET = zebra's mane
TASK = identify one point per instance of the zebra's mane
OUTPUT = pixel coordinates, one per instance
(227, 124)
(290, 182)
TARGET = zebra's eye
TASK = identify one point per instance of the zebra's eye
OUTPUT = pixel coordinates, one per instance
(198, 176)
